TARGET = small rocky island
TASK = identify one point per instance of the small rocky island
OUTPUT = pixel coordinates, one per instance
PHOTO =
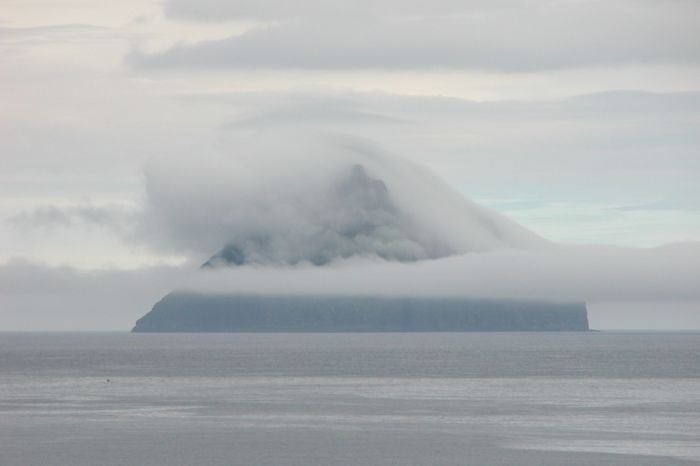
(359, 216)
(193, 312)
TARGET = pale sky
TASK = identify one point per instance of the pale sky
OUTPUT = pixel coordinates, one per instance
(579, 119)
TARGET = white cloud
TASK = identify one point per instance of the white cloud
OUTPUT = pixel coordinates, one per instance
(34, 296)
(289, 199)
(115, 217)
(509, 36)
(568, 273)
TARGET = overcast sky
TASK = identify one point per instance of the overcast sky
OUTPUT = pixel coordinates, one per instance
(578, 119)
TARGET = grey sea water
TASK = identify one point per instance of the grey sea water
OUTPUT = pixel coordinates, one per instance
(316, 399)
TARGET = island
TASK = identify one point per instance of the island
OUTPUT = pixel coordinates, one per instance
(183, 311)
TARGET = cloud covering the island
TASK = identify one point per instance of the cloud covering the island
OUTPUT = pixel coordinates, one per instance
(511, 36)
(314, 198)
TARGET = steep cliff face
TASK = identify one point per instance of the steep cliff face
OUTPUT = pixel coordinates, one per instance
(191, 312)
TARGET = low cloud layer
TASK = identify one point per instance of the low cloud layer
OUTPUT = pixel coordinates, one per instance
(566, 273)
(34, 296)
(506, 36)
(624, 287)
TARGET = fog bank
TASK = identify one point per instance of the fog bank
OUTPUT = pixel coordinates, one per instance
(588, 273)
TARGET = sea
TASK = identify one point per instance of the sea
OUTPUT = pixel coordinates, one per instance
(589, 398)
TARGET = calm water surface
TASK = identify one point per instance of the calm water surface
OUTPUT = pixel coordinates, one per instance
(314, 399)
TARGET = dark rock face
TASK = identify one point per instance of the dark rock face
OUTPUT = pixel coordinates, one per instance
(191, 312)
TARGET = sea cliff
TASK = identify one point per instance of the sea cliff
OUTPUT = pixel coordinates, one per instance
(193, 312)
